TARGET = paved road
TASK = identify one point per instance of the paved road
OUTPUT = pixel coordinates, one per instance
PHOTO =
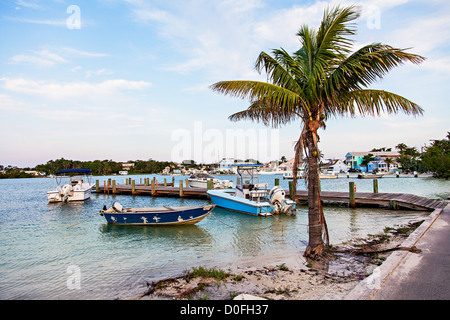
(424, 276)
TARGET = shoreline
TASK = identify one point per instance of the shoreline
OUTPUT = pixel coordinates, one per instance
(279, 277)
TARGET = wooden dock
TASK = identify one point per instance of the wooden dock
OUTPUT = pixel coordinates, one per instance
(392, 200)
(156, 191)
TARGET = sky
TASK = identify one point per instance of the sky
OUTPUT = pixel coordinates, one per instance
(129, 79)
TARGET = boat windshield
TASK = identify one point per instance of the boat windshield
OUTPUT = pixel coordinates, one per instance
(247, 178)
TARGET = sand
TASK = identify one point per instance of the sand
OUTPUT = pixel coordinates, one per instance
(286, 277)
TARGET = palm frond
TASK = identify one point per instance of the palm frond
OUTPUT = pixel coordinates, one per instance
(256, 90)
(375, 102)
(367, 65)
(332, 36)
(266, 112)
(282, 70)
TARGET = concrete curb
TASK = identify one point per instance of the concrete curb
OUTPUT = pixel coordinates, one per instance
(370, 285)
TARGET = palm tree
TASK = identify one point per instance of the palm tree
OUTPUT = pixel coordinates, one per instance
(323, 79)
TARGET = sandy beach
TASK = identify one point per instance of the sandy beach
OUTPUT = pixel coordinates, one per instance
(290, 277)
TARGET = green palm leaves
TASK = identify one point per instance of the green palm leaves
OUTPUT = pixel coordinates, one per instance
(322, 77)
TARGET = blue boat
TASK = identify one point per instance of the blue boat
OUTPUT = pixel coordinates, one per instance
(252, 197)
(155, 216)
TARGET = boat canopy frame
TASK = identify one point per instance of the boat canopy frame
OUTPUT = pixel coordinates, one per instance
(73, 175)
(244, 172)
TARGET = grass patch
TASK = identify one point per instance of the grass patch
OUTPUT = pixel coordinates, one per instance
(203, 272)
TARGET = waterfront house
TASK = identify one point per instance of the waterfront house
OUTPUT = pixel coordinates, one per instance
(286, 166)
(226, 164)
(334, 166)
(354, 160)
(380, 164)
(126, 166)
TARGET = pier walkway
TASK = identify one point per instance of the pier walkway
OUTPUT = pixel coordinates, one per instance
(392, 200)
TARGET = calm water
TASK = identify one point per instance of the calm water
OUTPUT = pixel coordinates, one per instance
(41, 243)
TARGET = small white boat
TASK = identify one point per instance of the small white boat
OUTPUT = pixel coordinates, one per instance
(300, 172)
(71, 186)
(201, 181)
(369, 176)
(252, 197)
(328, 176)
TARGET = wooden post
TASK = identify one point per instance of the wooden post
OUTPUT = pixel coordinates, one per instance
(181, 188)
(114, 186)
(165, 182)
(209, 184)
(187, 183)
(173, 181)
(393, 205)
(375, 185)
(291, 190)
(97, 186)
(133, 187)
(277, 181)
(153, 187)
(108, 185)
(104, 186)
(351, 189)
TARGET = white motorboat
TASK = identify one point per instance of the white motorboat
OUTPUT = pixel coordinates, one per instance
(252, 197)
(300, 172)
(71, 185)
(201, 181)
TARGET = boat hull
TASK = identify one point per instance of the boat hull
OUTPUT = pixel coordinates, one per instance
(369, 176)
(76, 195)
(165, 216)
(225, 199)
(196, 183)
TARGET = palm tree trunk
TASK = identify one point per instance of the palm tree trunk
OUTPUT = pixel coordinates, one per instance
(315, 222)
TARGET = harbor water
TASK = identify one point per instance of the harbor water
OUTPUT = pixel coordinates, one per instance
(67, 251)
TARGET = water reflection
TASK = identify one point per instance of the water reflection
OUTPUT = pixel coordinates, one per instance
(40, 240)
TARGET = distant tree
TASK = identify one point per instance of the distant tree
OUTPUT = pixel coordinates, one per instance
(409, 157)
(366, 159)
(388, 161)
(436, 158)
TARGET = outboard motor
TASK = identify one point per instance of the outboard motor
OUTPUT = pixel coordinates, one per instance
(117, 207)
(66, 191)
(277, 198)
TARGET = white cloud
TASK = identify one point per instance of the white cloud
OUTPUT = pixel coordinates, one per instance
(55, 90)
(39, 58)
(56, 22)
(27, 4)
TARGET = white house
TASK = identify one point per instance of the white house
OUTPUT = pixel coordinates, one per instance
(334, 166)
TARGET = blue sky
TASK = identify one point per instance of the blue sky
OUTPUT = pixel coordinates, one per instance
(128, 79)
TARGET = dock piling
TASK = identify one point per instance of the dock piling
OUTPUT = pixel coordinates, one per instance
(153, 187)
(375, 185)
(351, 189)
(181, 188)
